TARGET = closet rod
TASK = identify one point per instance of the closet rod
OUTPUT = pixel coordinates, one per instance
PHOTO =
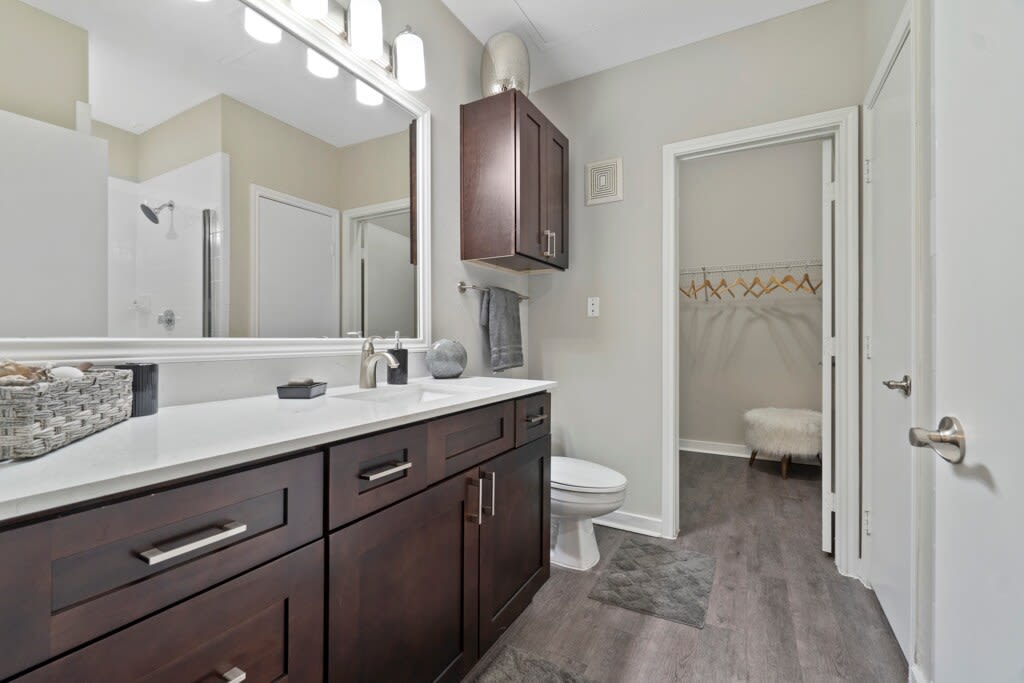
(739, 268)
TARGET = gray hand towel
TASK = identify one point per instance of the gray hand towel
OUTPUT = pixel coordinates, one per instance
(499, 313)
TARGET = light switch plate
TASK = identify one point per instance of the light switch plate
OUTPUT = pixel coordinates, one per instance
(594, 307)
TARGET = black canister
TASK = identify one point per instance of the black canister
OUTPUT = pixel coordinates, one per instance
(399, 375)
(145, 387)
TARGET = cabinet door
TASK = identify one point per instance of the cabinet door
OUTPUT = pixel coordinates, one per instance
(403, 589)
(530, 160)
(515, 536)
(556, 197)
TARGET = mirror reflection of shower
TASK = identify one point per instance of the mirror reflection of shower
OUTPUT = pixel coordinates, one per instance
(154, 216)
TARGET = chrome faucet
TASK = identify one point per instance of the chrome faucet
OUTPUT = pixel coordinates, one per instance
(368, 363)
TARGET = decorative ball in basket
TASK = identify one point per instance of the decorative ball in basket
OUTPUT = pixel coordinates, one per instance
(42, 410)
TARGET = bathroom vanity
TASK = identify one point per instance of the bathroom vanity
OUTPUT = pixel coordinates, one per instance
(382, 535)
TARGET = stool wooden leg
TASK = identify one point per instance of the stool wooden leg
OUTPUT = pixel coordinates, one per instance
(785, 466)
(753, 455)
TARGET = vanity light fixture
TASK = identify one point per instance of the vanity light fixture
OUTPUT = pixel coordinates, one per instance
(261, 28)
(311, 9)
(366, 28)
(320, 66)
(367, 95)
(410, 64)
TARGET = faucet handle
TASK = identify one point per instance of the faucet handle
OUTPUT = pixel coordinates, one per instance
(368, 344)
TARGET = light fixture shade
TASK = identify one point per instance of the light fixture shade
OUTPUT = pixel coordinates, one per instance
(410, 64)
(320, 66)
(311, 9)
(367, 95)
(366, 28)
(261, 28)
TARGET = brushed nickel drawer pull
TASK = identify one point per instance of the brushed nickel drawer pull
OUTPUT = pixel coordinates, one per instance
(493, 478)
(535, 419)
(385, 471)
(234, 675)
(156, 555)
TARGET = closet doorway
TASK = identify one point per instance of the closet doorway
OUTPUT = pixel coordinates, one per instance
(761, 303)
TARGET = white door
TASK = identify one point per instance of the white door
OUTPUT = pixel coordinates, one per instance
(297, 278)
(979, 325)
(889, 290)
(389, 288)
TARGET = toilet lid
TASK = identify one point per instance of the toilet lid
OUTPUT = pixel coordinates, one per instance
(572, 474)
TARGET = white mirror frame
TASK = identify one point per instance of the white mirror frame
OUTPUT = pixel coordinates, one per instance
(318, 35)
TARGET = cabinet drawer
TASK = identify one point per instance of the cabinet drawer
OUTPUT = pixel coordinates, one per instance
(368, 474)
(461, 441)
(84, 575)
(266, 625)
(533, 418)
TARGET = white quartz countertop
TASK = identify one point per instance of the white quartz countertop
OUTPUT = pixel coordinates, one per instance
(187, 440)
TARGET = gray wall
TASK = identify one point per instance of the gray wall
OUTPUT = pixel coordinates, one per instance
(737, 354)
(609, 401)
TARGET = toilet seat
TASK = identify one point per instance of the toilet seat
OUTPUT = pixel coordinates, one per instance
(582, 476)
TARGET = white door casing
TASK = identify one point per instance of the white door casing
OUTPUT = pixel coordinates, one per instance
(828, 350)
(889, 329)
(840, 126)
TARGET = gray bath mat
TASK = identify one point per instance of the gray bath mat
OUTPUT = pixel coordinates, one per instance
(663, 581)
(516, 666)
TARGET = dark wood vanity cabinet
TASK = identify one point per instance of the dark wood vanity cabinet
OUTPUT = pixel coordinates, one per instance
(515, 185)
(397, 556)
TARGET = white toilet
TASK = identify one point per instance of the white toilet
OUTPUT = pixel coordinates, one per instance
(580, 491)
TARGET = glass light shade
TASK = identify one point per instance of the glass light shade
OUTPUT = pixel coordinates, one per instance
(311, 9)
(366, 28)
(261, 28)
(367, 95)
(410, 66)
(320, 66)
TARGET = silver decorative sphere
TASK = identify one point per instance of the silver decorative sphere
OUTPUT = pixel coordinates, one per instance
(505, 65)
(446, 359)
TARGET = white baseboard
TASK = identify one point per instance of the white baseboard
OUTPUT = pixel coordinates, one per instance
(627, 521)
(735, 450)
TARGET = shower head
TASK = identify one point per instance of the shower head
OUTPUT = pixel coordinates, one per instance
(154, 214)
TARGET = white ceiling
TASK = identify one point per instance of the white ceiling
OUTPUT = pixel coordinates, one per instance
(572, 38)
(149, 61)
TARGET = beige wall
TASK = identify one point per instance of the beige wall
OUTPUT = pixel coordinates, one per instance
(44, 64)
(880, 18)
(124, 150)
(189, 136)
(374, 171)
(748, 207)
(609, 398)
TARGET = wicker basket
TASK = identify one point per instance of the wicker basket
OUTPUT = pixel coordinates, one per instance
(40, 418)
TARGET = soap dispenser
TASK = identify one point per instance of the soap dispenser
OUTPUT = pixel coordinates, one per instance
(399, 375)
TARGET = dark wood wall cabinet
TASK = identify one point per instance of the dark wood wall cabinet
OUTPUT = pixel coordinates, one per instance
(515, 185)
(411, 550)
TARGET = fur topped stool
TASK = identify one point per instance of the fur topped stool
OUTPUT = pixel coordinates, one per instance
(784, 432)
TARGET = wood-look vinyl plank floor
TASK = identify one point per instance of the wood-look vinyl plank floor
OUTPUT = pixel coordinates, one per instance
(779, 610)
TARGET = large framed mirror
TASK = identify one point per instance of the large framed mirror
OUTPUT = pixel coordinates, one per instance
(196, 180)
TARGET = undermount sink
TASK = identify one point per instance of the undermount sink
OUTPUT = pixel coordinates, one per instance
(411, 395)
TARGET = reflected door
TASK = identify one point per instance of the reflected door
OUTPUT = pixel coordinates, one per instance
(297, 280)
(389, 290)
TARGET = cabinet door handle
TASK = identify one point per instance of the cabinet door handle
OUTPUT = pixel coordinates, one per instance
(385, 471)
(536, 419)
(475, 491)
(493, 478)
(234, 675)
(156, 555)
(549, 249)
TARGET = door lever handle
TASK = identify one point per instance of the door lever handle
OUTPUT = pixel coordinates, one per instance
(903, 385)
(949, 442)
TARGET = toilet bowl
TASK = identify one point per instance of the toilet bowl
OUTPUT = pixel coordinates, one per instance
(581, 491)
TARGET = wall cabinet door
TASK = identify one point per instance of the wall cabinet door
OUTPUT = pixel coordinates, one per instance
(403, 589)
(515, 535)
(556, 197)
(531, 158)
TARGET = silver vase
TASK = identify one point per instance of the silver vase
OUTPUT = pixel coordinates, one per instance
(505, 65)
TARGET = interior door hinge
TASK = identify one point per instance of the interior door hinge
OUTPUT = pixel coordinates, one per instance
(867, 171)
(829, 192)
(830, 502)
(867, 522)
